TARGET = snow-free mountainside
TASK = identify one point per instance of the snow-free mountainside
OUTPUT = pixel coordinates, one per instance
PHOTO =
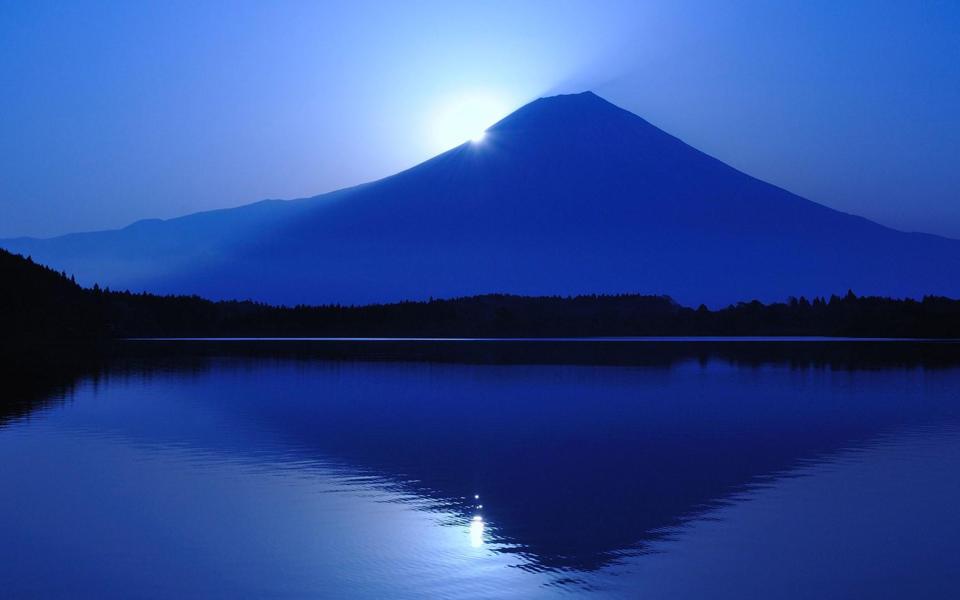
(567, 195)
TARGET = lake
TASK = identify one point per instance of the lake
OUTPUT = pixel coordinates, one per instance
(404, 469)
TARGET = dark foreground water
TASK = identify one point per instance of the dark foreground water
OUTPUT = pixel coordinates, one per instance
(765, 471)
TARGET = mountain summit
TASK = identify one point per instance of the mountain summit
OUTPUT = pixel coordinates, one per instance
(567, 195)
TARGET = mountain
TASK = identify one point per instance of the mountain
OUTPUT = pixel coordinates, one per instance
(568, 195)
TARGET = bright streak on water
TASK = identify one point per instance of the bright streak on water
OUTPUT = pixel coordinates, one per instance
(476, 531)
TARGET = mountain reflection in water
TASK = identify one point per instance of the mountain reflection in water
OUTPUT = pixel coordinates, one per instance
(715, 471)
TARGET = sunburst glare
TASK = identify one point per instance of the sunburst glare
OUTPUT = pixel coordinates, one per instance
(466, 117)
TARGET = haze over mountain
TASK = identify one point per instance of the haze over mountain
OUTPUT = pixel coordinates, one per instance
(567, 195)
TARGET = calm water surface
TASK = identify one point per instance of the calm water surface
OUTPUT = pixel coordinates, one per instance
(705, 476)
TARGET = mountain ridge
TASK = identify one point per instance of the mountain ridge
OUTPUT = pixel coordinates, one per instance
(569, 194)
(496, 126)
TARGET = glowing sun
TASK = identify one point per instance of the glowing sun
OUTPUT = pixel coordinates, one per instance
(466, 118)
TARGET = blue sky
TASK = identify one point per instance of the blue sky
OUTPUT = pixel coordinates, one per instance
(115, 111)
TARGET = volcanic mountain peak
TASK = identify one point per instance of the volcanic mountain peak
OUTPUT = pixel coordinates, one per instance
(566, 112)
(567, 195)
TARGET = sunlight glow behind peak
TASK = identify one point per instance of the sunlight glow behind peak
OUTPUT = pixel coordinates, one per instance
(465, 117)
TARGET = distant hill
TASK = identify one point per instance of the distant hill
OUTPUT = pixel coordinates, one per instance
(568, 195)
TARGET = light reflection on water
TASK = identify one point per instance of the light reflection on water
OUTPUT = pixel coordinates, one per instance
(476, 531)
(204, 525)
(290, 478)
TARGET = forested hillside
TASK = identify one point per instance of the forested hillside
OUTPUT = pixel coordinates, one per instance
(40, 303)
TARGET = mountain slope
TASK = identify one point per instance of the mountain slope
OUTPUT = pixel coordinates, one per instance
(567, 195)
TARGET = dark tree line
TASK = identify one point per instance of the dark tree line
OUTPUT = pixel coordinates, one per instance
(39, 303)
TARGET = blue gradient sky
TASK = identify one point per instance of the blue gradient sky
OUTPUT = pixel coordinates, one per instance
(116, 111)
